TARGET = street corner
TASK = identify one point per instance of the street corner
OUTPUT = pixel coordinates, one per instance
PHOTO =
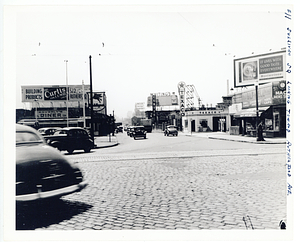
(105, 142)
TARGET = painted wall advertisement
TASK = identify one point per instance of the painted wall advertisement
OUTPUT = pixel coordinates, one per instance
(261, 68)
(268, 94)
(53, 93)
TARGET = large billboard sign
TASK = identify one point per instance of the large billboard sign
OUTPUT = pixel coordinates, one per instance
(259, 69)
(53, 93)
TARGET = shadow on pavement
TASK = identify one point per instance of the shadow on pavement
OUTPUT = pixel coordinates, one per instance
(33, 215)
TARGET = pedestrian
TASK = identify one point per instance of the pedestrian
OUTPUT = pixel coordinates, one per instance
(260, 132)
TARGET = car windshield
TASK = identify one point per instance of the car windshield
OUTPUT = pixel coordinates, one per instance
(27, 137)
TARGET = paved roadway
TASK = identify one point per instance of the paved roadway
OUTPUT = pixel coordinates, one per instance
(170, 183)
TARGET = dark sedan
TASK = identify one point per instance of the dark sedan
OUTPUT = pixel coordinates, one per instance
(42, 171)
(139, 132)
(70, 139)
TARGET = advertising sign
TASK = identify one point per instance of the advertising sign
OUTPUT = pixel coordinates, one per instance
(261, 68)
(181, 91)
(51, 114)
(53, 93)
(99, 101)
(268, 94)
(163, 99)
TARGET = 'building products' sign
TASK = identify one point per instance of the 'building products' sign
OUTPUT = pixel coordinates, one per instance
(53, 93)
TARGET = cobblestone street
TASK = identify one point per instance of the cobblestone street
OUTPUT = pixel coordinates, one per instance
(171, 193)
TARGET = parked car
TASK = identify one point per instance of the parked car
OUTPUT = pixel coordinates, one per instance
(70, 139)
(42, 171)
(171, 130)
(139, 131)
(47, 131)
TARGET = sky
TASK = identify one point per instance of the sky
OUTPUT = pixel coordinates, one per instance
(143, 49)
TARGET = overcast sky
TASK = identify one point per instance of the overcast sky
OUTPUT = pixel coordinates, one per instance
(141, 50)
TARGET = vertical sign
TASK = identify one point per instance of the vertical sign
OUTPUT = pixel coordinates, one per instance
(181, 91)
(154, 107)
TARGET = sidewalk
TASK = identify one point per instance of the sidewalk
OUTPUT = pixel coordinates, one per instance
(237, 138)
(105, 141)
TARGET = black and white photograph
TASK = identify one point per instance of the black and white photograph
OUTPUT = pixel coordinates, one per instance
(148, 121)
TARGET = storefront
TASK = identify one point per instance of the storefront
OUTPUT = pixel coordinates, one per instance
(205, 120)
(271, 107)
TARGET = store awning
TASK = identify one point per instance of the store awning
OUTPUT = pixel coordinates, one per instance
(249, 112)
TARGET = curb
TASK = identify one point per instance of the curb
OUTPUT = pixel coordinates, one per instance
(106, 146)
(247, 141)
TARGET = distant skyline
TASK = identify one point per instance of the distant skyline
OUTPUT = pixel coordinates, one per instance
(141, 50)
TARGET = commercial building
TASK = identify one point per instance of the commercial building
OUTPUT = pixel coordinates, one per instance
(62, 106)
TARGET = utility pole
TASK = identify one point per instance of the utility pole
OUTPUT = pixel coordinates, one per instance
(91, 95)
(67, 89)
(83, 106)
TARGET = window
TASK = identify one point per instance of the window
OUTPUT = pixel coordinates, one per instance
(276, 119)
(22, 137)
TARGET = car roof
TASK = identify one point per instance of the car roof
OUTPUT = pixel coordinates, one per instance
(71, 128)
(21, 127)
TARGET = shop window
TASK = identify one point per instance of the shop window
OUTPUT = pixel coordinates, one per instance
(276, 119)
(268, 124)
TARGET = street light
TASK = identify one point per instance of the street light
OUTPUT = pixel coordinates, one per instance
(67, 87)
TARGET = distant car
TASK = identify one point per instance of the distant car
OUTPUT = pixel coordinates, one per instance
(130, 130)
(41, 171)
(119, 129)
(138, 132)
(171, 130)
(70, 139)
(47, 131)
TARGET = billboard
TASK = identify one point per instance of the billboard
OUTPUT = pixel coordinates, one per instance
(261, 68)
(163, 99)
(53, 93)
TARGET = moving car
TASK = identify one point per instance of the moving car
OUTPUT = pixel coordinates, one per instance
(171, 130)
(139, 131)
(42, 171)
(130, 130)
(70, 139)
(47, 131)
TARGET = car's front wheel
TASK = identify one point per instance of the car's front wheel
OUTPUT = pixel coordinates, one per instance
(87, 149)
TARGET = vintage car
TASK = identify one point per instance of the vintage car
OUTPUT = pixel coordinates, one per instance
(42, 172)
(48, 130)
(130, 130)
(171, 130)
(70, 139)
(139, 132)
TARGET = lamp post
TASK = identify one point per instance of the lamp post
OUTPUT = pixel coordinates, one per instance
(67, 89)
